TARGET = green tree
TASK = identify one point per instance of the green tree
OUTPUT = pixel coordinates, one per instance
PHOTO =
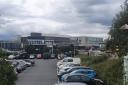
(119, 37)
(7, 75)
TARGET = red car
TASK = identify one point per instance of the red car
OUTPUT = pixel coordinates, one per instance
(39, 56)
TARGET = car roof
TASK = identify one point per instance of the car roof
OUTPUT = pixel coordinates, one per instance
(71, 83)
(81, 67)
(77, 74)
(68, 58)
(84, 70)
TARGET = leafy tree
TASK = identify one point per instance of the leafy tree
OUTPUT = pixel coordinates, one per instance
(119, 37)
(7, 75)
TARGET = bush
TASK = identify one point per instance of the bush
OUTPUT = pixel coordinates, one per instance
(7, 75)
(109, 70)
(90, 60)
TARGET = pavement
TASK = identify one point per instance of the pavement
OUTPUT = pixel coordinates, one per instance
(43, 73)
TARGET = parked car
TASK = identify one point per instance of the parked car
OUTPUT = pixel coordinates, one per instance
(39, 56)
(52, 56)
(88, 72)
(46, 56)
(81, 78)
(65, 67)
(23, 55)
(60, 74)
(20, 67)
(71, 83)
(28, 64)
(65, 60)
(30, 61)
(76, 78)
(32, 56)
(11, 57)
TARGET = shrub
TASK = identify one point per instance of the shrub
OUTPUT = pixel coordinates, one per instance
(109, 70)
(7, 75)
(90, 60)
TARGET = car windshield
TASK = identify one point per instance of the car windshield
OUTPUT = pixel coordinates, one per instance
(68, 60)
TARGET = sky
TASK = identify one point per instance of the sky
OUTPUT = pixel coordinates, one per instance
(60, 17)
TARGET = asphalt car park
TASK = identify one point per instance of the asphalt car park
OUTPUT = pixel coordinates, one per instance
(54, 72)
(43, 73)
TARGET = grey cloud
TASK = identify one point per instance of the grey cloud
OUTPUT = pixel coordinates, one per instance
(11, 10)
(90, 2)
(98, 11)
(78, 17)
(84, 29)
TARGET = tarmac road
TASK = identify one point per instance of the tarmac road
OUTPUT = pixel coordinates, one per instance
(43, 73)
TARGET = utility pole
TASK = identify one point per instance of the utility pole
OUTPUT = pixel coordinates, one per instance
(52, 50)
(74, 51)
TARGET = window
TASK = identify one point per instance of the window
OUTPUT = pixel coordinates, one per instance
(84, 78)
(68, 60)
(86, 72)
(74, 78)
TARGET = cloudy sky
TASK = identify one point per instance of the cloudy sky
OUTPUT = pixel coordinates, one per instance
(65, 17)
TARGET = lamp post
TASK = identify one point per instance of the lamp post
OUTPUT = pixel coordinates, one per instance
(74, 51)
(125, 59)
(124, 27)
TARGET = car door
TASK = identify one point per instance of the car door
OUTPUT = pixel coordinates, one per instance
(73, 78)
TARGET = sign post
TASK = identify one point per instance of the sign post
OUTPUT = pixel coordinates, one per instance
(126, 70)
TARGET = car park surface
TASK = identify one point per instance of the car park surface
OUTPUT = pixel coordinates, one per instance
(43, 73)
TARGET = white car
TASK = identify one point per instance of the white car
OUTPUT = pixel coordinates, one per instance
(65, 66)
(64, 69)
(31, 56)
(11, 57)
(65, 60)
(26, 63)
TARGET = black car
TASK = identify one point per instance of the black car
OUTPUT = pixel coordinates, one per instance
(22, 56)
(70, 70)
(46, 56)
(82, 78)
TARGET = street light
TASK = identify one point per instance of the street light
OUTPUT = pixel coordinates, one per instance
(125, 27)
(74, 51)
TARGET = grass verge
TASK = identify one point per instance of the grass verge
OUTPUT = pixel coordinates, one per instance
(109, 70)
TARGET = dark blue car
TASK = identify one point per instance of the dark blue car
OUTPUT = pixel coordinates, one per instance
(88, 72)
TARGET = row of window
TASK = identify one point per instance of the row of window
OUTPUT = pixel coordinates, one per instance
(35, 42)
(39, 42)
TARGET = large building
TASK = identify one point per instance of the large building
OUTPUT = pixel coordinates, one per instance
(38, 42)
(35, 41)
(38, 39)
(9, 45)
(87, 41)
